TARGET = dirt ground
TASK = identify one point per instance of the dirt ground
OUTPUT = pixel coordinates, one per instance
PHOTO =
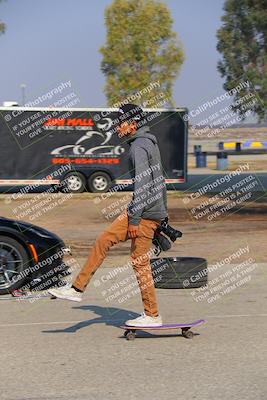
(79, 219)
(230, 134)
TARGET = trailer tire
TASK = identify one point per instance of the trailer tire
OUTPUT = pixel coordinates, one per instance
(13, 254)
(74, 182)
(99, 182)
(179, 272)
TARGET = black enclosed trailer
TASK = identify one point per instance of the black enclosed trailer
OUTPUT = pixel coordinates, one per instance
(43, 146)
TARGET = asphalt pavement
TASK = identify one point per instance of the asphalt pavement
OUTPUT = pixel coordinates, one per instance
(59, 350)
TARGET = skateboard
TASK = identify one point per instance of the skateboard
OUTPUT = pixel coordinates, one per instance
(130, 331)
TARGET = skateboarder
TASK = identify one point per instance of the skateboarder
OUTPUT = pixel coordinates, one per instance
(138, 223)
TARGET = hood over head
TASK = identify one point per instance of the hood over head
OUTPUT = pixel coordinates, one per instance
(143, 132)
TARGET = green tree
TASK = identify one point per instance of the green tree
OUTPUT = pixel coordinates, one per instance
(242, 43)
(2, 26)
(140, 48)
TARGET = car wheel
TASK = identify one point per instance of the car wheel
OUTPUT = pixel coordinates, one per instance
(99, 182)
(74, 182)
(179, 272)
(13, 260)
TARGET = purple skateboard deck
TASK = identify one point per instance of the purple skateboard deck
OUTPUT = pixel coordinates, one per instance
(130, 330)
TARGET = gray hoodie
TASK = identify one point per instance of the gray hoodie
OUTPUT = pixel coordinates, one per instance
(150, 197)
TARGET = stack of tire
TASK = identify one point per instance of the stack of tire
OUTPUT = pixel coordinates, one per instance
(179, 272)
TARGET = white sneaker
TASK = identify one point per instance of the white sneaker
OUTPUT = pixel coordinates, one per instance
(66, 293)
(145, 320)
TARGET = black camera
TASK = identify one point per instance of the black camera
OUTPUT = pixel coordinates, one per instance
(172, 233)
(160, 241)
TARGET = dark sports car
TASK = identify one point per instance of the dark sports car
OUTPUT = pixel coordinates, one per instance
(31, 257)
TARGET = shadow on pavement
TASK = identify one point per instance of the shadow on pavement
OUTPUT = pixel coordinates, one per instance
(110, 316)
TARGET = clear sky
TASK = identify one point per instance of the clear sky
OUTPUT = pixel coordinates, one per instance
(49, 41)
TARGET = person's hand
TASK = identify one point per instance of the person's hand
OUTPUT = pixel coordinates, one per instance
(133, 231)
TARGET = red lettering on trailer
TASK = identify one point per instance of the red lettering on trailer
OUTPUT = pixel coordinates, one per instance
(55, 122)
(80, 122)
(65, 160)
(70, 122)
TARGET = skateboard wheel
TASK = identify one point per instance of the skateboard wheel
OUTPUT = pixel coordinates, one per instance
(130, 335)
(187, 334)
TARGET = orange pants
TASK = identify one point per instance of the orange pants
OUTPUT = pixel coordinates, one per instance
(117, 232)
